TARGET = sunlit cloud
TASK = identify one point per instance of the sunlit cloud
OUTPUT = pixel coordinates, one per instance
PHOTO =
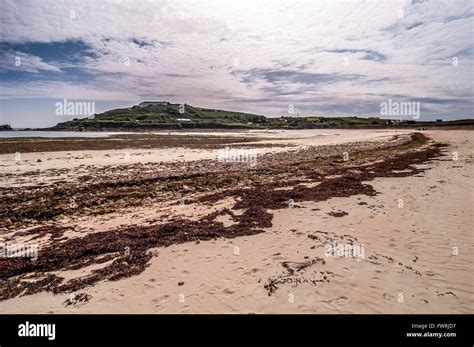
(324, 57)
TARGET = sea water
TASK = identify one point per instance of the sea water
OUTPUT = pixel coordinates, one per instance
(28, 133)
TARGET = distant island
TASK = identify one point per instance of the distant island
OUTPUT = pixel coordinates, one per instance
(5, 127)
(152, 115)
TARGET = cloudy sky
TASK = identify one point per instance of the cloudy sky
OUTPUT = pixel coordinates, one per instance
(327, 57)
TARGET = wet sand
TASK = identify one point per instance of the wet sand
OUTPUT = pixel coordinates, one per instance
(205, 237)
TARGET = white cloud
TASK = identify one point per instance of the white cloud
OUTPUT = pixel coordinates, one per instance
(23, 62)
(198, 52)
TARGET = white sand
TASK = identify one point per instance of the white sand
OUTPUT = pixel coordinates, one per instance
(437, 215)
(73, 160)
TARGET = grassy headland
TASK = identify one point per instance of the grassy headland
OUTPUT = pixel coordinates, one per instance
(170, 117)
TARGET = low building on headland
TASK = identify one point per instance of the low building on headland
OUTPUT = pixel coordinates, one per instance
(153, 103)
(394, 122)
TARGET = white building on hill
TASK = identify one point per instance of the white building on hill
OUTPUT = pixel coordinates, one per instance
(153, 103)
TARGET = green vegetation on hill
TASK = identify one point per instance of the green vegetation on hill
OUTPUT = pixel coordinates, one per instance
(167, 116)
(170, 117)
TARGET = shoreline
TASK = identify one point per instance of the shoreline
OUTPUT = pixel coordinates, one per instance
(230, 129)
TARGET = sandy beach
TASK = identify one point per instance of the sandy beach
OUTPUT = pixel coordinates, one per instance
(313, 221)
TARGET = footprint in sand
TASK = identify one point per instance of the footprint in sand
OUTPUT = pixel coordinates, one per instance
(251, 272)
(228, 291)
(341, 301)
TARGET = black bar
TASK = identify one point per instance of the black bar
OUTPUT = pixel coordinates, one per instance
(237, 329)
